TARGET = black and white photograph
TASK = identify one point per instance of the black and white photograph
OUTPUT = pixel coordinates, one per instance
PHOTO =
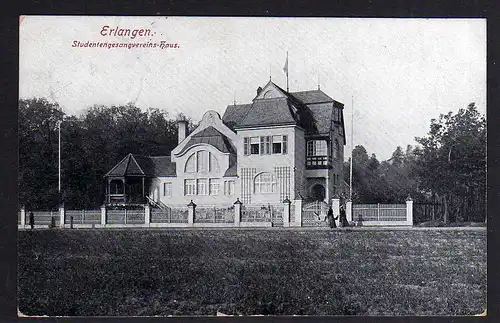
(244, 166)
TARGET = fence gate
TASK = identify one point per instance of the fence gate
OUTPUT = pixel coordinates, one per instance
(314, 213)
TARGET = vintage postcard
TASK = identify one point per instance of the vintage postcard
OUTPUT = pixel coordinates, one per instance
(238, 166)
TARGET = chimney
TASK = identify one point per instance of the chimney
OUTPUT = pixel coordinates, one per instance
(259, 89)
(181, 130)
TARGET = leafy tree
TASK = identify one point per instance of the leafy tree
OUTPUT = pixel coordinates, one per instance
(91, 144)
(38, 153)
(452, 163)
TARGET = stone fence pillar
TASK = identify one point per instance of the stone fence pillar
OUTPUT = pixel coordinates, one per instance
(147, 214)
(23, 216)
(286, 212)
(191, 212)
(61, 215)
(103, 215)
(409, 211)
(348, 210)
(298, 213)
(237, 212)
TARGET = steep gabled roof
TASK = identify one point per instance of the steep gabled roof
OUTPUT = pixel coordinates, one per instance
(268, 112)
(322, 117)
(234, 114)
(143, 166)
(213, 137)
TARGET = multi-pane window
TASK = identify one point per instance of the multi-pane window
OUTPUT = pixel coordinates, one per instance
(254, 145)
(202, 186)
(228, 187)
(214, 164)
(265, 183)
(189, 187)
(265, 145)
(202, 162)
(167, 189)
(190, 164)
(277, 142)
(214, 186)
(317, 148)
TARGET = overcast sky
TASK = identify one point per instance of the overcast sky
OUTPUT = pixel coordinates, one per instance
(399, 73)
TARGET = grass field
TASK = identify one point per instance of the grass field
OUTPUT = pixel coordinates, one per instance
(274, 272)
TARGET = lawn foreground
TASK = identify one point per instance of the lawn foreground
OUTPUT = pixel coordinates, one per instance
(245, 272)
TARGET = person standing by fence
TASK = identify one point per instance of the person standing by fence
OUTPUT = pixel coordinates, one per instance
(343, 218)
(331, 219)
(32, 221)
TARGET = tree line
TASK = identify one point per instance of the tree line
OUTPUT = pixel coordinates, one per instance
(91, 144)
(447, 167)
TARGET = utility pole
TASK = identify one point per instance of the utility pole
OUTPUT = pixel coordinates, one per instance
(352, 148)
(59, 130)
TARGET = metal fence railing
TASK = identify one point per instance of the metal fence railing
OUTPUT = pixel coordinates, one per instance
(83, 216)
(379, 212)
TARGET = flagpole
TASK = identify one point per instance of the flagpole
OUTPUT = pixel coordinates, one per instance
(352, 149)
(287, 72)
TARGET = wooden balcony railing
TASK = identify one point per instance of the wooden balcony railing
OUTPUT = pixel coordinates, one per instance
(318, 161)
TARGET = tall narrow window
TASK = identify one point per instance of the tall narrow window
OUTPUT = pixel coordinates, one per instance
(190, 164)
(267, 140)
(228, 187)
(202, 187)
(214, 164)
(285, 144)
(277, 141)
(189, 187)
(202, 161)
(246, 146)
(167, 189)
(214, 186)
(254, 145)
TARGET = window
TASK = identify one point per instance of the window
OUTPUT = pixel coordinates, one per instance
(317, 148)
(214, 186)
(202, 188)
(277, 141)
(190, 165)
(189, 187)
(254, 145)
(167, 189)
(246, 146)
(265, 183)
(214, 164)
(335, 149)
(116, 187)
(202, 161)
(265, 145)
(267, 140)
(228, 187)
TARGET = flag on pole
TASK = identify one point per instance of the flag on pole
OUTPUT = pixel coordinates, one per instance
(285, 68)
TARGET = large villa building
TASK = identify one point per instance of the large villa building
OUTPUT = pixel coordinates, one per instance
(281, 145)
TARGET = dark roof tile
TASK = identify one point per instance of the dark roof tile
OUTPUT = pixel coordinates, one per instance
(313, 96)
(213, 137)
